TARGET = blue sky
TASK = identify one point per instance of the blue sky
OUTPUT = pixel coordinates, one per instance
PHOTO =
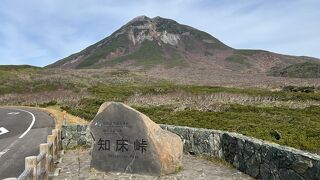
(39, 32)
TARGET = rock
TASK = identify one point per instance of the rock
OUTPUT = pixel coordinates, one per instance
(265, 171)
(128, 141)
(276, 134)
(314, 172)
(247, 154)
(239, 161)
(251, 158)
(169, 38)
(216, 145)
(302, 164)
(229, 147)
(72, 136)
(285, 158)
(289, 174)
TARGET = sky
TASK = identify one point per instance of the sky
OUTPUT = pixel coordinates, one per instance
(40, 32)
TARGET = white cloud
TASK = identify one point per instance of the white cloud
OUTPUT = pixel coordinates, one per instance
(40, 32)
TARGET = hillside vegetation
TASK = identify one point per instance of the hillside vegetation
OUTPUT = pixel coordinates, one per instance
(300, 70)
(294, 112)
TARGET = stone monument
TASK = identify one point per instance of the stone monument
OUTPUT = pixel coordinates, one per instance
(126, 140)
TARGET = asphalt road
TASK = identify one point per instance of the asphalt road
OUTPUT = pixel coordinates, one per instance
(21, 132)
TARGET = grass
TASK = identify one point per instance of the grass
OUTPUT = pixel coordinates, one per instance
(58, 115)
(238, 62)
(120, 41)
(18, 79)
(17, 67)
(31, 86)
(9, 72)
(209, 41)
(175, 59)
(215, 160)
(149, 55)
(189, 43)
(279, 95)
(88, 106)
(248, 52)
(299, 128)
(300, 70)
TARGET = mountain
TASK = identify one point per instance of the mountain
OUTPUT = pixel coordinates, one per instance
(146, 41)
(151, 43)
(17, 67)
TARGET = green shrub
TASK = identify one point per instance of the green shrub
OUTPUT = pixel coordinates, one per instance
(238, 62)
(299, 89)
(50, 103)
(299, 70)
(298, 127)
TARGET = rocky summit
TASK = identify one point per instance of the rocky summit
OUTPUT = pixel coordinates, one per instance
(145, 42)
(128, 141)
(160, 45)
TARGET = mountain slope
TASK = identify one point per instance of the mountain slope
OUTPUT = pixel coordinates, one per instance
(150, 43)
(17, 67)
(300, 70)
(147, 41)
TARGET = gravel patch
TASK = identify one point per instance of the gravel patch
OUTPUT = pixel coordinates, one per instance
(76, 165)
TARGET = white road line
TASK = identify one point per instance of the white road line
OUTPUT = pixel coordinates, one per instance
(22, 135)
(14, 113)
(32, 123)
(3, 130)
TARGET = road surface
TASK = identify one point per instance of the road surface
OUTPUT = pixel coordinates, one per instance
(21, 132)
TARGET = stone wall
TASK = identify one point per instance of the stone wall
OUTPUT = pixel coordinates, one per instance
(74, 136)
(255, 157)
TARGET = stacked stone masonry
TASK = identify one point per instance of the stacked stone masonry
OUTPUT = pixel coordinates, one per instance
(254, 157)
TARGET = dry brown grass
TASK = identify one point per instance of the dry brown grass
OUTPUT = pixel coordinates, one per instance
(217, 102)
(39, 98)
(58, 116)
(213, 76)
